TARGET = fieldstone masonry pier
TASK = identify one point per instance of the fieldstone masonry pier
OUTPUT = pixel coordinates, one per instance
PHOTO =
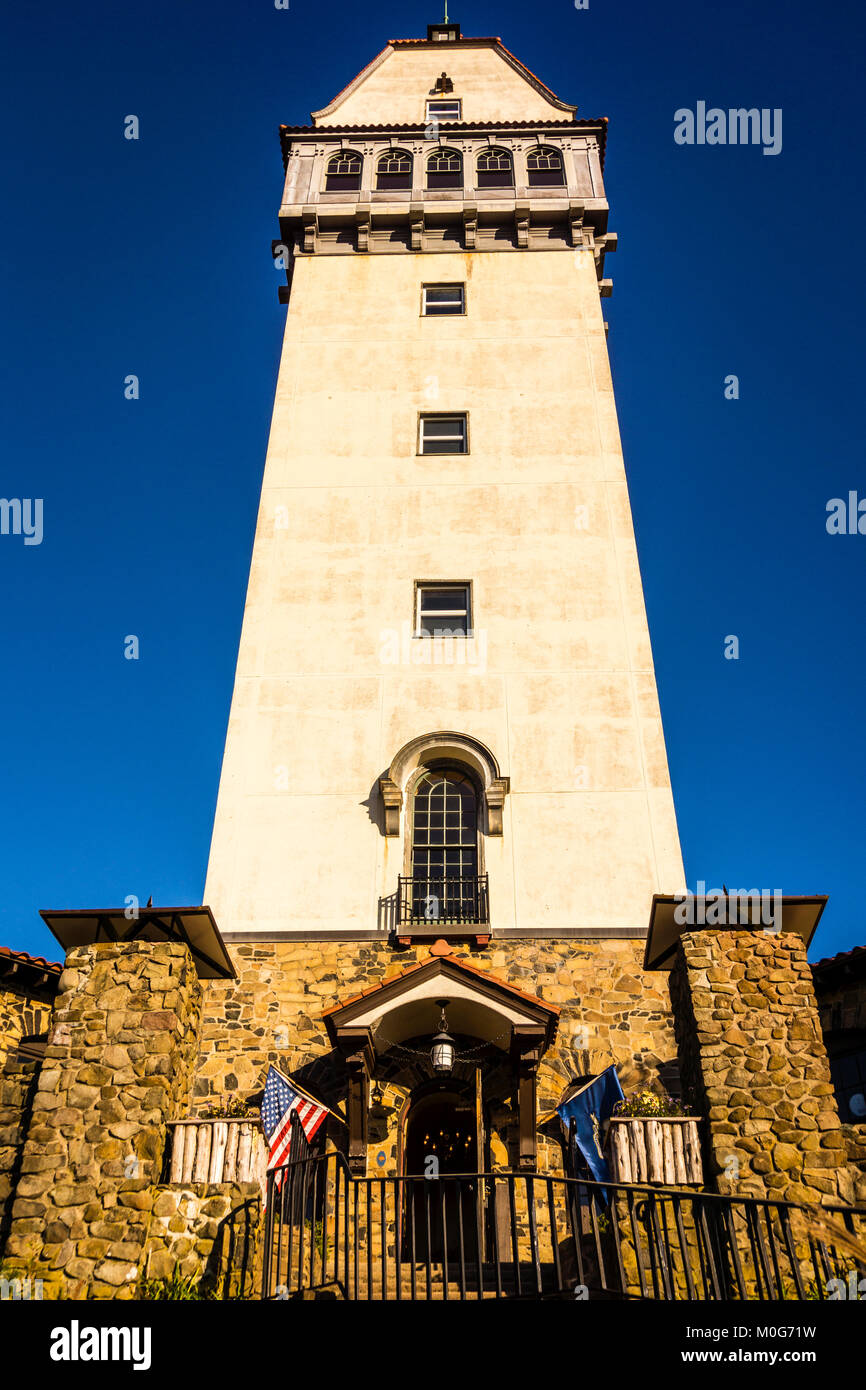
(116, 1068)
(751, 1048)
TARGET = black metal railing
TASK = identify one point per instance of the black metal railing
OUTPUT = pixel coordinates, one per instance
(449, 901)
(533, 1236)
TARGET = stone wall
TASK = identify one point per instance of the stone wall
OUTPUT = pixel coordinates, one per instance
(116, 1068)
(207, 1233)
(855, 1141)
(138, 1041)
(23, 1014)
(18, 1078)
(612, 1011)
(751, 1046)
(841, 999)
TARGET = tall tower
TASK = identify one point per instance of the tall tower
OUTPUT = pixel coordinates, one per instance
(444, 814)
(445, 724)
(444, 438)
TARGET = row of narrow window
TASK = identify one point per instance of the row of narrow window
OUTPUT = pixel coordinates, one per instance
(494, 169)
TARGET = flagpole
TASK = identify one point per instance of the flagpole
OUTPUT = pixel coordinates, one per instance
(296, 1086)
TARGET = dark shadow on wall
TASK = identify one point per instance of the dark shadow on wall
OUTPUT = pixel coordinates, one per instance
(233, 1268)
(375, 807)
(20, 1075)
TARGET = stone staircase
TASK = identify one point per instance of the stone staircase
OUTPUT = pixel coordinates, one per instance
(437, 1290)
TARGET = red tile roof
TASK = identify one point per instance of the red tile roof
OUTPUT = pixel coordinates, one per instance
(454, 960)
(39, 962)
(599, 123)
(464, 38)
(856, 955)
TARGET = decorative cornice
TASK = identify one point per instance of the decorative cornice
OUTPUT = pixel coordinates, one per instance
(562, 224)
(451, 129)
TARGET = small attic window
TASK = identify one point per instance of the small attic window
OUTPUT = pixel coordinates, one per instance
(444, 109)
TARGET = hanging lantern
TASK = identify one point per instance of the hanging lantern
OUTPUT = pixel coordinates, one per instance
(443, 1051)
(377, 1107)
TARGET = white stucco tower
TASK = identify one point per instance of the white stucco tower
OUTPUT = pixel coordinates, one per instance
(444, 458)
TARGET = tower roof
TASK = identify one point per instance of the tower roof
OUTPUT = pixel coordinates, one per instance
(486, 59)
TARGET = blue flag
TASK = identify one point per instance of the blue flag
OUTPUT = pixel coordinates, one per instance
(591, 1109)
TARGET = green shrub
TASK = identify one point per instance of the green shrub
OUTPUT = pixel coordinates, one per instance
(649, 1105)
(175, 1289)
(232, 1108)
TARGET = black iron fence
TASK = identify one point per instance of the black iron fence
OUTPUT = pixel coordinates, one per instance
(447, 900)
(532, 1236)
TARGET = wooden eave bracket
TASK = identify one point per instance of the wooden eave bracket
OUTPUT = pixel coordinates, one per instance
(356, 1048)
(527, 1043)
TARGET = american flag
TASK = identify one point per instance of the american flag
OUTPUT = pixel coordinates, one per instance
(278, 1104)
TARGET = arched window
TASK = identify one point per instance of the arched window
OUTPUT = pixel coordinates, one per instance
(394, 170)
(445, 169)
(495, 169)
(344, 172)
(445, 882)
(544, 167)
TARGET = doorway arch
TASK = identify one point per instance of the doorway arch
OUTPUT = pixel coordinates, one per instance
(441, 1140)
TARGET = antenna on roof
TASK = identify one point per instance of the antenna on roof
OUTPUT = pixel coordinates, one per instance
(445, 20)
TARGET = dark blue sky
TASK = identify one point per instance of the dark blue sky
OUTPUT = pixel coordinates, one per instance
(153, 258)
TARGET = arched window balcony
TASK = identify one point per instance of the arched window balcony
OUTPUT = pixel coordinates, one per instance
(495, 169)
(445, 169)
(544, 168)
(445, 884)
(454, 796)
(394, 170)
(343, 173)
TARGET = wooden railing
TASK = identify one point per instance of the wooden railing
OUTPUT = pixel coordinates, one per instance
(216, 1151)
(665, 1150)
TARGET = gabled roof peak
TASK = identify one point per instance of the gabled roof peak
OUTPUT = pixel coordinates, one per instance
(456, 45)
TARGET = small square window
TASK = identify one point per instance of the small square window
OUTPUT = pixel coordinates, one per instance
(444, 109)
(443, 434)
(443, 610)
(443, 299)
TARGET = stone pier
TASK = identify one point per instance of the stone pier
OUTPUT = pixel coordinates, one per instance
(117, 1068)
(751, 1050)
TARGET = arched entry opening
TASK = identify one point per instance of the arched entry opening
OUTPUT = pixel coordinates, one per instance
(442, 1139)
